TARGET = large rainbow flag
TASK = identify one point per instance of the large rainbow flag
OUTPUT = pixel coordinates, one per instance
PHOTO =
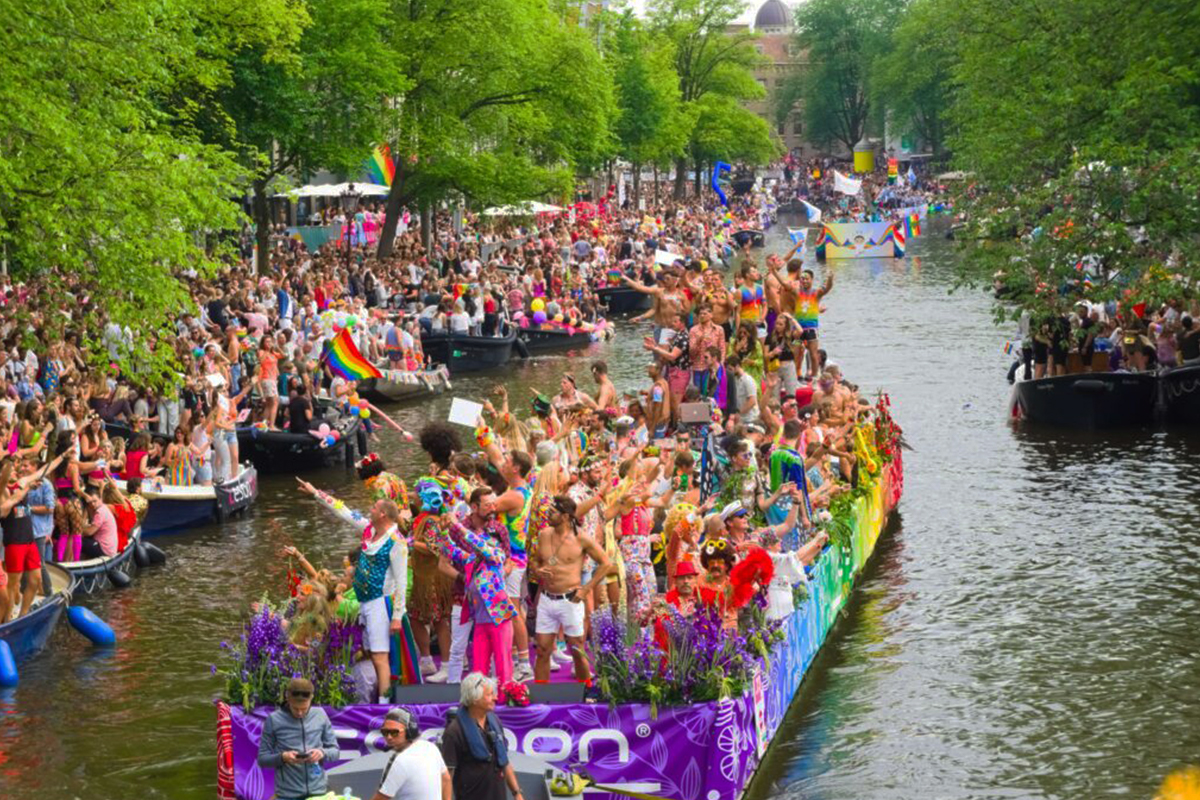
(345, 361)
(381, 170)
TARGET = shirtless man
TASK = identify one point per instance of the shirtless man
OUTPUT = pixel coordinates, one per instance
(560, 560)
(606, 396)
(722, 302)
(669, 299)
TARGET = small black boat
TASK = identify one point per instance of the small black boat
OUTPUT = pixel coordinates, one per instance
(755, 236)
(463, 353)
(1181, 395)
(620, 300)
(541, 339)
(282, 451)
(1088, 400)
(93, 573)
(397, 386)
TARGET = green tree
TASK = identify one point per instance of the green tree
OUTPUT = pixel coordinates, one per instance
(843, 39)
(712, 63)
(100, 180)
(320, 105)
(506, 98)
(1080, 124)
(651, 124)
(912, 81)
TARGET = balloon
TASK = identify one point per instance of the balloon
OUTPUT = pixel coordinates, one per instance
(538, 304)
(351, 321)
(198, 352)
(335, 435)
(366, 413)
(356, 411)
(329, 441)
(539, 317)
(364, 405)
(558, 317)
(353, 399)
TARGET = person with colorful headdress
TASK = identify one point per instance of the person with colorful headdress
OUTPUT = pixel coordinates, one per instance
(382, 485)
(680, 537)
(432, 598)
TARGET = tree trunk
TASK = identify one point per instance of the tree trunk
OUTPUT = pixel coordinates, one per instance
(637, 185)
(427, 226)
(262, 225)
(393, 209)
(698, 171)
(680, 177)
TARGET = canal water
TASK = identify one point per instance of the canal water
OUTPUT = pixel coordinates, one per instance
(1027, 628)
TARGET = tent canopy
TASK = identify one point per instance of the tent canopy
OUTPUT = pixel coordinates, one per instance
(337, 190)
(521, 209)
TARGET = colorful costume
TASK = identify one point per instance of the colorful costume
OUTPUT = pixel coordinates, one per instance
(386, 486)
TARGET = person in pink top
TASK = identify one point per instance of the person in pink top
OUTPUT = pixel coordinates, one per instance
(99, 537)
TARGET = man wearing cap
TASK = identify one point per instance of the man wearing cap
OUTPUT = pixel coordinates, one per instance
(683, 596)
(297, 740)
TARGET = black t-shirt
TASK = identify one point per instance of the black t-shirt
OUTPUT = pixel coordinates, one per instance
(478, 780)
(1189, 344)
(297, 421)
(216, 312)
(18, 525)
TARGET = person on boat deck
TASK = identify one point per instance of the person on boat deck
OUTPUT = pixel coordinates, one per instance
(299, 410)
(123, 512)
(99, 537)
(22, 557)
(416, 770)
(42, 500)
(474, 747)
(380, 573)
(297, 741)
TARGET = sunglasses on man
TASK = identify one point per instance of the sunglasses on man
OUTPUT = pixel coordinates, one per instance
(390, 732)
(301, 695)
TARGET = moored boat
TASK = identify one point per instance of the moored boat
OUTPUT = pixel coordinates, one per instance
(754, 236)
(283, 451)
(620, 300)
(1087, 400)
(27, 636)
(550, 338)
(398, 385)
(176, 508)
(463, 353)
(1180, 389)
(93, 573)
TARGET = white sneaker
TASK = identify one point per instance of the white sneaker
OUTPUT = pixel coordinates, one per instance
(428, 667)
(561, 657)
(437, 677)
(523, 673)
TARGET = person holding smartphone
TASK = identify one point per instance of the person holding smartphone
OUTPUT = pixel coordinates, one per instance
(297, 741)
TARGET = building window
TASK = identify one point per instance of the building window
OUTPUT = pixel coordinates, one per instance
(759, 48)
(763, 83)
(797, 124)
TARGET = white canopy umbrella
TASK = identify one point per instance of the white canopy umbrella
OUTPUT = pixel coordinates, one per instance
(338, 189)
(521, 209)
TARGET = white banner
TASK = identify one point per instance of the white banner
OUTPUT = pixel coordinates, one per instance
(845, 185)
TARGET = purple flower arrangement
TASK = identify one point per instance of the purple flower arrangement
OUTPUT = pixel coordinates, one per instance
(260, 663)
(680, 660)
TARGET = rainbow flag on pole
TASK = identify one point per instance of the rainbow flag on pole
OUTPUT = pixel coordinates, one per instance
(381, 170)
(912, 226)
(345, 361)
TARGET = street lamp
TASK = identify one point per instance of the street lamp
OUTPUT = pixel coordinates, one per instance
(349, 199)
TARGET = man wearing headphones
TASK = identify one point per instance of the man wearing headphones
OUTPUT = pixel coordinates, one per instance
(416, 770)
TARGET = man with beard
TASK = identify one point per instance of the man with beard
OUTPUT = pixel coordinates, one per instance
(589, 511)
(560, 553)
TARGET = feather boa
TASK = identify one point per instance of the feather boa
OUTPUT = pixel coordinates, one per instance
(752, 574)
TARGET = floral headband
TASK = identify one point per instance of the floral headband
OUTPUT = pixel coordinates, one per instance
(367, 460)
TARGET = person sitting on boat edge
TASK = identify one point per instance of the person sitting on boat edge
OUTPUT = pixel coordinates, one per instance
(297, 741)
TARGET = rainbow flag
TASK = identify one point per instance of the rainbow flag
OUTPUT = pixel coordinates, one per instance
(915, 221)
(380, 168)
(345, 361)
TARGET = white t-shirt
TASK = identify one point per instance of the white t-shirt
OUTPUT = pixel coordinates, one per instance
(415, 774)
(747, 387)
